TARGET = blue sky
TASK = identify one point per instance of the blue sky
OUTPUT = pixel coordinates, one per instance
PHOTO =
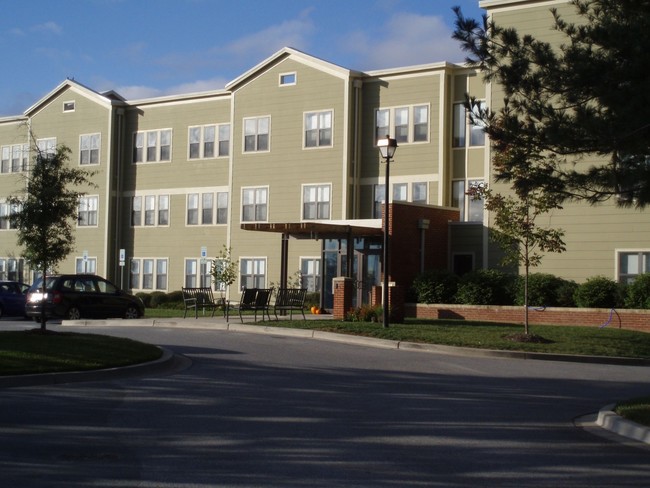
(148, 48)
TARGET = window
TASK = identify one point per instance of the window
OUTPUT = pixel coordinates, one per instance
(203, 142)
(631, 264)
(318, 129)
(408, 124)
(400, 192)
(87, 214)
(310, 274)
(152, 146)
(163, 210)
(69, 106)
(254, 204)
(419, 192)
(6, 211)
(150, 210)
(14, 158)
(470, 210)
(379, 197)
(287, 79)
(155, 210)
(89, 148)
(477, 130)
(201, 208)
(148, 274)
(87, 265)
(256, 134)
(197, 273)
(316, 202)
(252, 272)
(461, 122)
(46, 147)
(222, 207)
(11, 269)
(193, 209)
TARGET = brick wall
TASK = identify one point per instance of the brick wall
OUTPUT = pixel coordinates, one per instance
(588, 317)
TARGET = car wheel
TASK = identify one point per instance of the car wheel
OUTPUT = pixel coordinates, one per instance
(73, 313)
(131, 312)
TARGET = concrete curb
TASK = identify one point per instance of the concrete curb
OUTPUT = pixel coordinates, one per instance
(610, 420)
(165, 362)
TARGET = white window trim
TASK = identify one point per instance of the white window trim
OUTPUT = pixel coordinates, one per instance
(255, 151)
(241, 203)
(617, 264)
(67, 103)
(289, 73)
(88, 197)
(257, 258)
(141, 273)
(99, 149)
(88, 259)
(202, 156)
(143, 198)
(215, 208)
(302, 201)
(144, 147)
(304, 129)
(411, 127)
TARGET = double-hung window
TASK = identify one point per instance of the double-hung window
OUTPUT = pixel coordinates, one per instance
(407, 124)
(148, 274)
(209, 141)
(310, 274)
(197, 273)
(379, 197)
(152, 146)
(252, 272)
(316, 202)
(89, 145)
(87, 211)
(6, 211)
(471, 210)
(419, 192)
(149, 210)
(14, 158)
(46, 147)
(86, 265)
(318, 129)
(207, 208)
(462, 124)
(256, 134)
(254, 204)
(631, 264)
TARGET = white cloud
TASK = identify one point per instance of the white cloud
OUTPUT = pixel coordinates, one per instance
(136, 92)
(408, 39)
(48, 27)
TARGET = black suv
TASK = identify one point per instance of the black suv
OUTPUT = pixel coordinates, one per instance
(73, 296)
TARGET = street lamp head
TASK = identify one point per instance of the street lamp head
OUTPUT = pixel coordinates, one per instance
(387, 147)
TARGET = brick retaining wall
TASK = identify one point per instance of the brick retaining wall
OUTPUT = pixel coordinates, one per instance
(589, 317)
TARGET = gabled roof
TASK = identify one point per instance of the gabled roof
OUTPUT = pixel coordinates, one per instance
(289, 52)
(70, 84)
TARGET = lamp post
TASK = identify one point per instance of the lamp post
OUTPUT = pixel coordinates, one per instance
(387, 149)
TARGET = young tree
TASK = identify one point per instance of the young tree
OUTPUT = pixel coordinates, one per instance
(515, 229)
(577, 100)
(224, 270)
(46, 209)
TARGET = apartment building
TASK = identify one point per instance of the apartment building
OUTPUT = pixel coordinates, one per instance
(282, 167)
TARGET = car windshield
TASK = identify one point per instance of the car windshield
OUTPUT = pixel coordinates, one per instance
(38, 284)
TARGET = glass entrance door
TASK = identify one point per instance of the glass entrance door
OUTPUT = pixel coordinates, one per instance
(366, 268)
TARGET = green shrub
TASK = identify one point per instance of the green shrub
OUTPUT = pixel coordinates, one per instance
(364, 313)
(486, 287)
(145, 297)
(599, 292)
(545, 290)
(175, 297)
(157, 298)
(436, 286)
(638, 292)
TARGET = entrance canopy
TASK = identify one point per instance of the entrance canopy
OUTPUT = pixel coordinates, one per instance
(331, 229)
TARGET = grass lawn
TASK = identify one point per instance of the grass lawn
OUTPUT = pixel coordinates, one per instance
(29, 352)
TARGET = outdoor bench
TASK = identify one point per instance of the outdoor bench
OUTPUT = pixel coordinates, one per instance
(195, 298)
(252, 299)
(290, 300)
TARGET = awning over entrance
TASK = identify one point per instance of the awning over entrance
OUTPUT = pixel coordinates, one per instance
(321, 230)
(335, 229)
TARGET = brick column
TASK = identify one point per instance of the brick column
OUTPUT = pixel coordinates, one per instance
(343, 288)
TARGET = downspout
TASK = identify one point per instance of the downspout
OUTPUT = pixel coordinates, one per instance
(356, 151)
(118, 192)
